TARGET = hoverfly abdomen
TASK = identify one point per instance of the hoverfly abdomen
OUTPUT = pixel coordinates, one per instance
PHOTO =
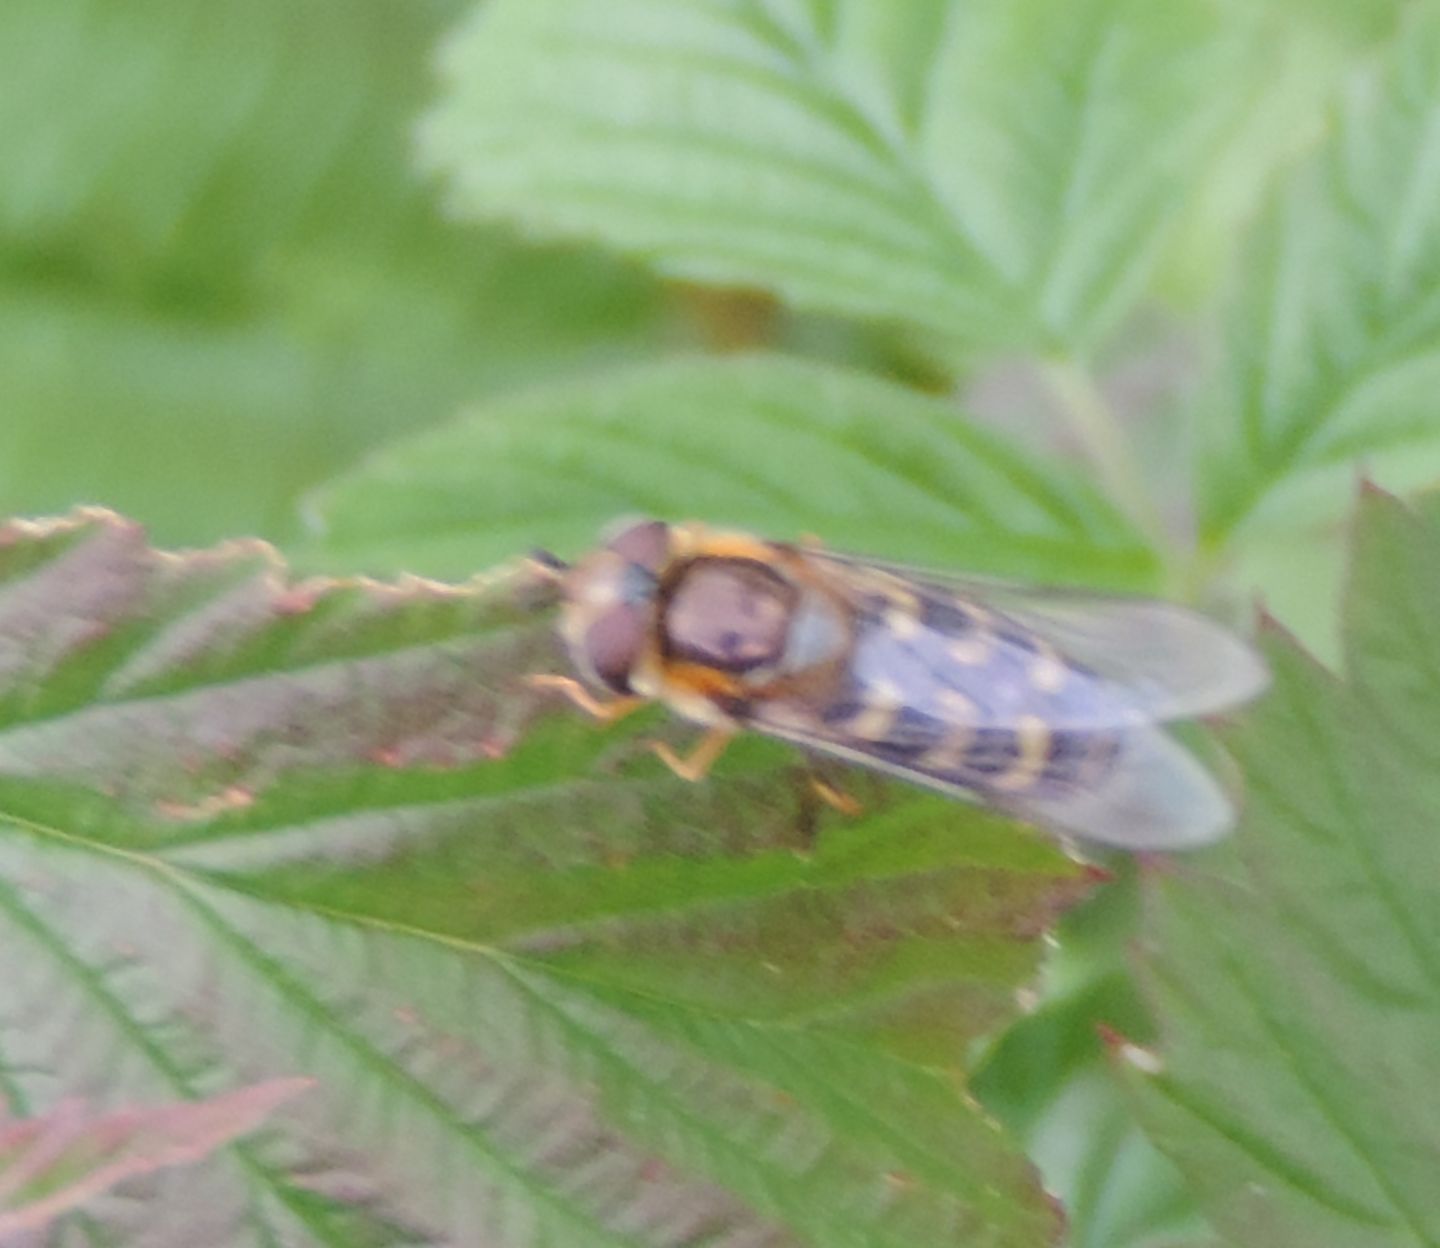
(991, 754)
(912, 734)
(1077, 758)
(841, 713)
(977, 701)
(948, 617)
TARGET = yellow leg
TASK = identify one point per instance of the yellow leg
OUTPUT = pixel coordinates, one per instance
(836, 798)
(697, 765)
(605, 712)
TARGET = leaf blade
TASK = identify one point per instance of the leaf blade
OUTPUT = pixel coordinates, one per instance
(1297, 978)
(887, 472)
(1331, 354)
(853, 161)
(218, 253)
(248, 825)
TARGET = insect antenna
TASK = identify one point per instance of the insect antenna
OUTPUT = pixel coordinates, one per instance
(548, 566)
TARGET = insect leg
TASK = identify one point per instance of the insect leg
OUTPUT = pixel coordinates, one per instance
(835, 797)
(696, 766)
(605, 712)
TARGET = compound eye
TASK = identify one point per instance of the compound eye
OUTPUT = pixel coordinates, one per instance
(613, 642)
(645, 543)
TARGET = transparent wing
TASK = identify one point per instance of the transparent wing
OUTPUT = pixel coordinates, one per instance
(1173, 662)
(1153, 796)
(1157, 796)
(1041, 703)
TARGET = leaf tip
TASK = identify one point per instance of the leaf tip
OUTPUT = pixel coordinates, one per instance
(275, 1092)
(496, 747)
(298, 599)
(1370, 490)
(1120, 1046)
(1058, 1212)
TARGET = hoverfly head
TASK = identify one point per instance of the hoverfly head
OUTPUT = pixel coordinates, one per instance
(611, 599)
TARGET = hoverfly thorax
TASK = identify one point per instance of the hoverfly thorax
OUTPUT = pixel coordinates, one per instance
(731, 615)
(760, 623)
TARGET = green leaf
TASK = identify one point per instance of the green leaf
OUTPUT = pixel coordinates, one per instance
(995, 172)
(221, 279)
(1297, 975)
(53, 1164)
(1047, 1080)
(764, 442)
(1355, 21)
(1335, 329)
(1309, 49)
(549, 993)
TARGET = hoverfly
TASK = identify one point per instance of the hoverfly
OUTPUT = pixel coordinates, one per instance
(1045, 704)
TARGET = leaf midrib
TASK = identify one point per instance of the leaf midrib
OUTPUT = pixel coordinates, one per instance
(515, 966)
(1315, 1087)
(810, 65)
(189, 891)
(1289, 454)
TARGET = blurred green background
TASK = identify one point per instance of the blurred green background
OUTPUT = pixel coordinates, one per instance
(224, 282)
(221, 278)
